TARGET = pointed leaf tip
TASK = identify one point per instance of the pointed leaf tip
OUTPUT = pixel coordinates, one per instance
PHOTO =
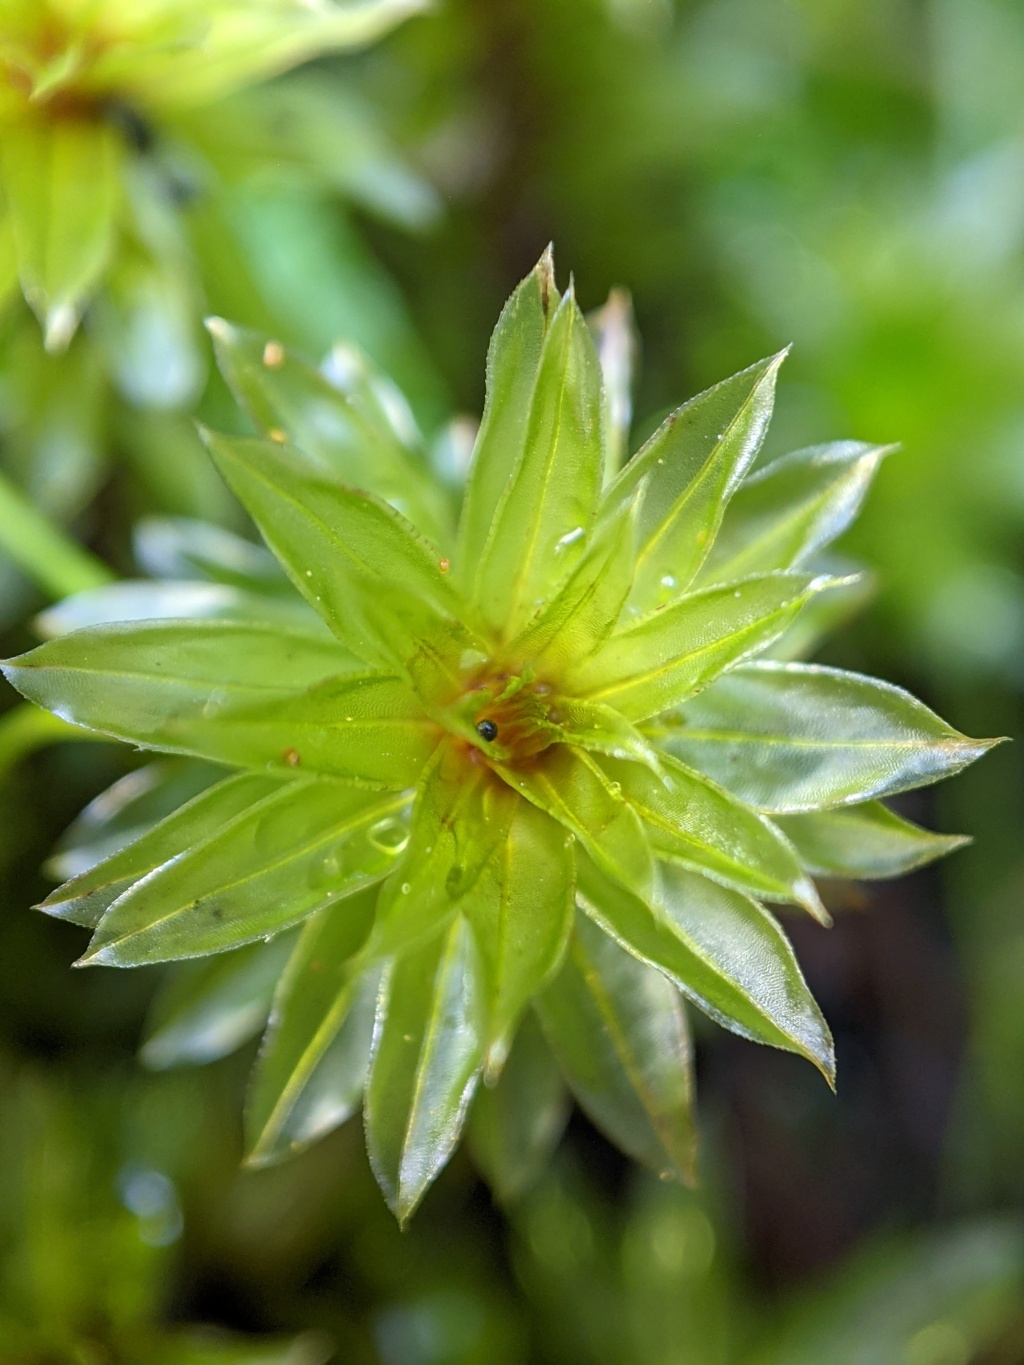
(808, 899)
(545, 273)
(218, 327)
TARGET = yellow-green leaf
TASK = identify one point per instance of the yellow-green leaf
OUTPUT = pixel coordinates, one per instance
(62, 180)
(791, 737)
(864, 842)
(661, 659)
(427, 1054)
(619, 1033)
(693, 464)
(546, 509)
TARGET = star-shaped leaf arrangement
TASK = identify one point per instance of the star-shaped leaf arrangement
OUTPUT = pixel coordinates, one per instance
(551, 765)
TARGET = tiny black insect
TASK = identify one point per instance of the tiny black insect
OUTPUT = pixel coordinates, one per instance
(487, 729)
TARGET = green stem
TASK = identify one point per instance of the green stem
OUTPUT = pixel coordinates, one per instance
(27, 728)
(50, 558)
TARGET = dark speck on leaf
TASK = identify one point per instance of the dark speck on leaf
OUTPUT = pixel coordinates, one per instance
(487, 729)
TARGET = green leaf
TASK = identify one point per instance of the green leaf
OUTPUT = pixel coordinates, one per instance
(693, 464)
(665, 657)
(367, 730)
(614, 332)
(791, 737)
(377, 583)
(600, 730)
(344, 433)
(693, 821)
(86, 898)
(864, 842)
(245, 659)
(782, 515)
(516, 1123)
(572, 787)
(239, 45)
(126, 811)
(227, 692)
(585, 611)
(520, 913)
(308, 844)
(546, 508)
(723, 951)
(62, 181)
(426, 1059)
(48, 555)
(513, 360)
(312, 1065)
(619, 1033)
(209, 1008)
(8, 259)
(461, 816)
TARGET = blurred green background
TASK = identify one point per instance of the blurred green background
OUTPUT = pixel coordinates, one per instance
(848, 177)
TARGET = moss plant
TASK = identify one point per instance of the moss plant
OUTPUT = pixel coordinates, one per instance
(550, 763)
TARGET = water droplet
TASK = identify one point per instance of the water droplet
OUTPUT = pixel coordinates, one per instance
(570, 538)
(615, 788)
(736, 593)
(273, 355)
(309, 573)
(668, 581)
(406, 888)
(389, 835)
(215, 702)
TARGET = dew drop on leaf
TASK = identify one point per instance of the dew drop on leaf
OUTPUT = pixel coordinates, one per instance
(570, 538)
(406, 888)
(273, 355)
(215, 702)
(389, 835)
(668, 581)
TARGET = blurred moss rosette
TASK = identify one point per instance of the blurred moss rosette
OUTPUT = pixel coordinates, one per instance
(549, 760)
(90, 90)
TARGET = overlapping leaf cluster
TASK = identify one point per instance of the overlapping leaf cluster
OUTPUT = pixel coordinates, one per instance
(88, 87)
(541, 766)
